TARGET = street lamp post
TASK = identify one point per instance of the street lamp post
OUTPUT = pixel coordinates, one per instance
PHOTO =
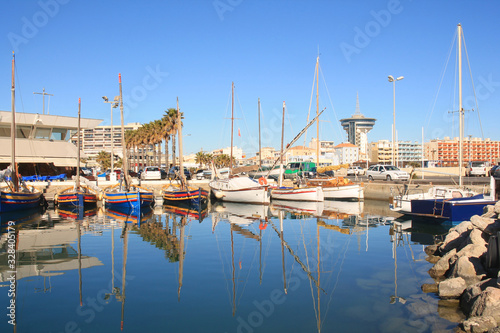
(393, 80)
(114, 104)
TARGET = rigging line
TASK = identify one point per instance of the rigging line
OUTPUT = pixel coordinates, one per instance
(342, 133)
(310, 282)
(248, 274)
(310, 104)
(441, 81)
(18, 85)
(338, 275)
(221, 140)
(223, 270)
(473, 88)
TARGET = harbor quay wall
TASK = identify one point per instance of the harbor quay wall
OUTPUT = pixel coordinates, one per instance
(381, 191)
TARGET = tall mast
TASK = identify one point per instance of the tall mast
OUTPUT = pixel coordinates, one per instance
(13, 128)
(232, 124)
(179, 130)
(282, 138)
(260, 152)
(317, 112)
(460, 109)
(77, 183)
(124, 158)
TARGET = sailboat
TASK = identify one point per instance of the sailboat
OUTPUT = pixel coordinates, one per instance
(238, 188)
(301, 193)
(12, 197)
(333, 187)
(455, 209)
(77, 195)
(126, 196)
(183, 193)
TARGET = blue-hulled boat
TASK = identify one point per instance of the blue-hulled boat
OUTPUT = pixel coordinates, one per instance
(183, 193)
(77, 196)
(451, 210)
(125, 195)
(187, 194)
(15, 197)
(135, 198)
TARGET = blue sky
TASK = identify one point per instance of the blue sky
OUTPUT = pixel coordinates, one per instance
(194, 50)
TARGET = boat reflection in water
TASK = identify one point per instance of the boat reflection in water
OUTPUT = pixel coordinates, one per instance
(76, 212)
(135, 216)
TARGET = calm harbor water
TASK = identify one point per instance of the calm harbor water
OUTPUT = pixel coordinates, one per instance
(290, 267)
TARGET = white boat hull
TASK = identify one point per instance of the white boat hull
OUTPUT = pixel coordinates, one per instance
(240, 189)
(298, 194)
(344, 192)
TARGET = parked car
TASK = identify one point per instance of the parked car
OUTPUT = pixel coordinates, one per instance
(493, 170)
(477, 168)
(199, 174)
(133, 174)
(355, 170)
(151, 173)
(173, 173)
(387, 172)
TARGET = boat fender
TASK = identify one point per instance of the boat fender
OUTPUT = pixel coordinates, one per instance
(262, 181)
(100, 196)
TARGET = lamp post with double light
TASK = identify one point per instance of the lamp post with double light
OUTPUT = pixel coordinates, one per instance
(393, 80)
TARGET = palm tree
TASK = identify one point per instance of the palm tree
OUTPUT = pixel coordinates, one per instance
(104, 160)
(166, 128)
(200, 158)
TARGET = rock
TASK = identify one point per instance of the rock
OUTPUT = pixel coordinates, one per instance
(489, 211)
(479, 324)
(497, 207)
(476, 237)
(487, 304)
(473, 291)
(472, 250)
(493, 228)
(469, 268)
(452, 288)
(442, 266)
(430, 288)
(432, 259)
(456, 237)
(479, 222)
(431, 249)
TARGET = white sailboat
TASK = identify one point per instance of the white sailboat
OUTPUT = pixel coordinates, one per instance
(300, 193)
(459, 207)
(238, 188)
(333, 187)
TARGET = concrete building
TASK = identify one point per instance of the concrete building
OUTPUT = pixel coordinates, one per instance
(347, 153)
(408, 151)
(445, 152)
(357, 128)
(380, 152)
(41, 139)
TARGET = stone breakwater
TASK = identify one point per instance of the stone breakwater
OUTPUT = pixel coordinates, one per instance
(466, 269)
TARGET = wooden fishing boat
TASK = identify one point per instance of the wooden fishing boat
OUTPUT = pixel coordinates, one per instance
(182, 193)
(15, 196)
(77, 195)
(126, 195)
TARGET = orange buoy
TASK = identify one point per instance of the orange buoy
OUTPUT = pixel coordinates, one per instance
(262, 181)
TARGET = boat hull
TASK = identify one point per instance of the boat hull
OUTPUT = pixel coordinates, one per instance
(191, 195)
(128, 200)
(453, 210)
(346, 192)
(76, 199)
(240, 189)
(298, 194)
(14, 201)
